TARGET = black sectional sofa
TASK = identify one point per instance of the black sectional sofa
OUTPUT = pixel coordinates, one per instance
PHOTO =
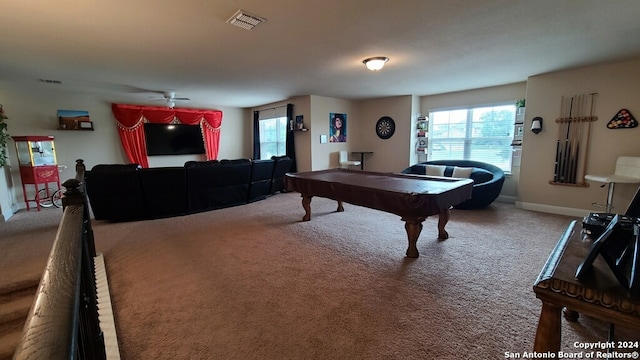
(127, 192)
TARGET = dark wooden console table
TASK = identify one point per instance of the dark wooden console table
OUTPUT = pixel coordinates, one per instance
(598, 295)
(362, 154)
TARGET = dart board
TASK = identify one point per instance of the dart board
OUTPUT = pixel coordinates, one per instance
(385, 127)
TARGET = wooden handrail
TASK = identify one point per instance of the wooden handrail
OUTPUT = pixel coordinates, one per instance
(63, 320)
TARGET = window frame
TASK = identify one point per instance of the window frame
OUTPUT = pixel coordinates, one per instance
(281, 134)
(468, 138)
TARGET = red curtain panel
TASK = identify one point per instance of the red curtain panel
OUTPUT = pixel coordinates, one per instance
(129, 119)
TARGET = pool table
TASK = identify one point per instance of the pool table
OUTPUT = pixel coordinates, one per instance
(412, 197)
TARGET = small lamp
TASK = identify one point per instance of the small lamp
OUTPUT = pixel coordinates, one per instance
(536, 125)
(375, 63)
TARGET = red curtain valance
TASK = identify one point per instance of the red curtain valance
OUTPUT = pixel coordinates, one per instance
(130, 118)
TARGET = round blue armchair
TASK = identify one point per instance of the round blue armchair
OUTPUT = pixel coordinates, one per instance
(487, 180)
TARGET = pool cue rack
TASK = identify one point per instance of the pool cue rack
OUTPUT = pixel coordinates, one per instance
(572, 146)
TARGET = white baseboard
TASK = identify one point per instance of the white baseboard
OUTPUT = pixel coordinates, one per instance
(553, 209)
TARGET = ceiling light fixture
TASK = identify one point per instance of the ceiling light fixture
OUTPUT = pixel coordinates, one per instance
(375, 63)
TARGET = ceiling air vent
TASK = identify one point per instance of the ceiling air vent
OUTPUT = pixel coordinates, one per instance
(49, 81)
(245, 20)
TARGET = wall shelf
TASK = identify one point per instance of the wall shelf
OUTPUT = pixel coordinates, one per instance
(74, 124)
(64, 129)
(422, 134)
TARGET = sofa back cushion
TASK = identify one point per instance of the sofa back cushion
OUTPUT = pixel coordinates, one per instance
(261, 174)
(434, 170)
(164, 190)
(282, 166)
(115, 193)
(462, 172)
(480, 176)
(217, 184)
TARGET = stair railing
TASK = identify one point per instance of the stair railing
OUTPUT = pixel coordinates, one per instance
(63, 320)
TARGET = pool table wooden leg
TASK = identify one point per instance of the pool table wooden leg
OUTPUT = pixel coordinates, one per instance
(413, 227)
(306, 204)
(443, 219)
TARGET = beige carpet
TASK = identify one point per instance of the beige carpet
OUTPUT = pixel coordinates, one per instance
(254, 282)
(25, 243)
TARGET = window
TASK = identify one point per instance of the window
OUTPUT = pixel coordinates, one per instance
(273, 137)
(479, 134)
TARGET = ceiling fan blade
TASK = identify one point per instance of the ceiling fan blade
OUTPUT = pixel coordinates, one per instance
(181, 98)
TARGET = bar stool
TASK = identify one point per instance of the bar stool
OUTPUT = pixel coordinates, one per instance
(345, 162)
(627, 172)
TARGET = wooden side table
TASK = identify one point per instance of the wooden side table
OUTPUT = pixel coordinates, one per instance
(598, 295)
(362, 154)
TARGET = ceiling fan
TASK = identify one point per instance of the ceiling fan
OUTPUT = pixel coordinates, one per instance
(170, 98)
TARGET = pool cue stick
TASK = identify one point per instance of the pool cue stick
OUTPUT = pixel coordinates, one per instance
(570, 136)
(556, 174)
(582, 140)
(586, 151)
(565, 150)
(572, 128)
(563, 127)
(576, 143)
(582, 125)
(576, 140)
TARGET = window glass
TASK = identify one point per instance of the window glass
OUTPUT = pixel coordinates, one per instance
(273, 137)
(479, 134)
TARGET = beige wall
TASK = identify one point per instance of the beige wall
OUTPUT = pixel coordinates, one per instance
(325, 156)
(393, 154)
(617, 87)
(361, 119)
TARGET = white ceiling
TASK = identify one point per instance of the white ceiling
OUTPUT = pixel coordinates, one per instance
(130, 51)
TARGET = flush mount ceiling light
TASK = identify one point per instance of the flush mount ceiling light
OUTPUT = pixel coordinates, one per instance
(375, 63)
(245, 20)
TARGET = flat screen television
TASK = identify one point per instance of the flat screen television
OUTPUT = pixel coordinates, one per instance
(173, 139)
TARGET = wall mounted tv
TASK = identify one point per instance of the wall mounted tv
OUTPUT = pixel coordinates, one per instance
(173, 139)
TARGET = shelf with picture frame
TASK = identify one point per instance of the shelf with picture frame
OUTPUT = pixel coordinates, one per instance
(74, 120)
(422, 134)
(80, 126)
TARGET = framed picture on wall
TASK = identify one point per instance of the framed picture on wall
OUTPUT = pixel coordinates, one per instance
(337, 127)
(74, 120)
